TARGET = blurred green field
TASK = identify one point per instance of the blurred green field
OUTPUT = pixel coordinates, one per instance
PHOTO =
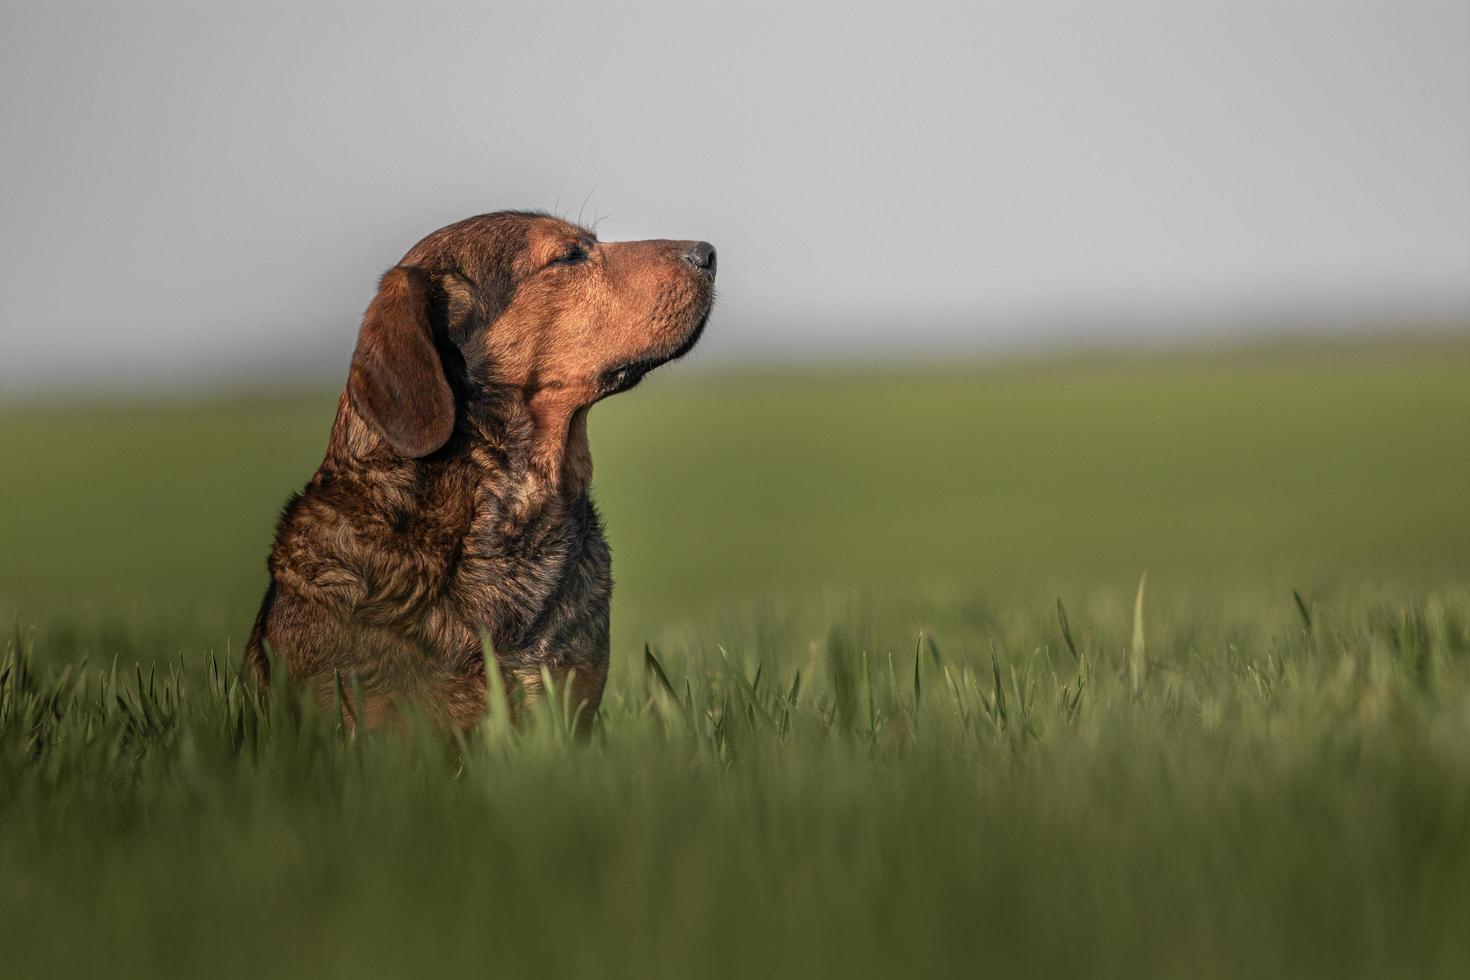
(1260, 470)
(1240, 781)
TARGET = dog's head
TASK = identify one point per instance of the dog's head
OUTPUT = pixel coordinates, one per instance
(524, 302)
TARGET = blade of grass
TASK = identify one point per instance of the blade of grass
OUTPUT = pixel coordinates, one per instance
(1137, 655)
(652, 666)
(1067, 631)
(918, 660)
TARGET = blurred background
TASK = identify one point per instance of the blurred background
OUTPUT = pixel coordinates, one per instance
(1010, 292)
(200, 191)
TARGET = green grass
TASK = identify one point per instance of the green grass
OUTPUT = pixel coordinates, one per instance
(1262, 769)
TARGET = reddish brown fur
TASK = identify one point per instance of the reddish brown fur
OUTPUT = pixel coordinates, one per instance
(453, 498)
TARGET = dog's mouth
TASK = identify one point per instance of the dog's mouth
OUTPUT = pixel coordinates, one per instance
(619, 379)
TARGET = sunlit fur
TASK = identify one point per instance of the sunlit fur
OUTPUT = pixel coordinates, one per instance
(453, 498)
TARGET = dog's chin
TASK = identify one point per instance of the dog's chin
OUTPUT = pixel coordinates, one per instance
(623, 377)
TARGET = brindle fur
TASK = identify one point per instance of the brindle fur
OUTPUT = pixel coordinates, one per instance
(453, 498)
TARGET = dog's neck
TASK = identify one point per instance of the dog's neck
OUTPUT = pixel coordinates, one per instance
(559, 448)
(539, 435)
(538, 439)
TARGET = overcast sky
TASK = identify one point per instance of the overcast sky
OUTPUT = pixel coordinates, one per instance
(206, 190)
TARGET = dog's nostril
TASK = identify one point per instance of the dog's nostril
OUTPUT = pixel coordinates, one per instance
(702, 256)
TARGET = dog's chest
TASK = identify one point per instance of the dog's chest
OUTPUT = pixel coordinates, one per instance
(438, 562)
(533, 575)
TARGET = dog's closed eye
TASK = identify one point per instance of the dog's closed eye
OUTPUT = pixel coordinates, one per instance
(571, 255)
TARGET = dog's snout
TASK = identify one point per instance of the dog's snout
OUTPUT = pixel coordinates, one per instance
(701, 255)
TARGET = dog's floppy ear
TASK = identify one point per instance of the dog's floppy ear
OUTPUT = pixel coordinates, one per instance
(397, 381)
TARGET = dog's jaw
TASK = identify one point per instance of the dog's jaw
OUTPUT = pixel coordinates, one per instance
(625, 377)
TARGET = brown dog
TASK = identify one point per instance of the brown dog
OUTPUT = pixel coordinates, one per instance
(453, 497)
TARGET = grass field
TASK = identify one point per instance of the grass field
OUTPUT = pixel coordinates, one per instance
(911, 717)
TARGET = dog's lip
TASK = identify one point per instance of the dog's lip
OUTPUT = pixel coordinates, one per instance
(626, 376)
(693, 337)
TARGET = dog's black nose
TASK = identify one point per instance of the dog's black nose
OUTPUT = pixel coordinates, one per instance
(701, 255)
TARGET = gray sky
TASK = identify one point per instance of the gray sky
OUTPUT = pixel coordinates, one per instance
(202, 190)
